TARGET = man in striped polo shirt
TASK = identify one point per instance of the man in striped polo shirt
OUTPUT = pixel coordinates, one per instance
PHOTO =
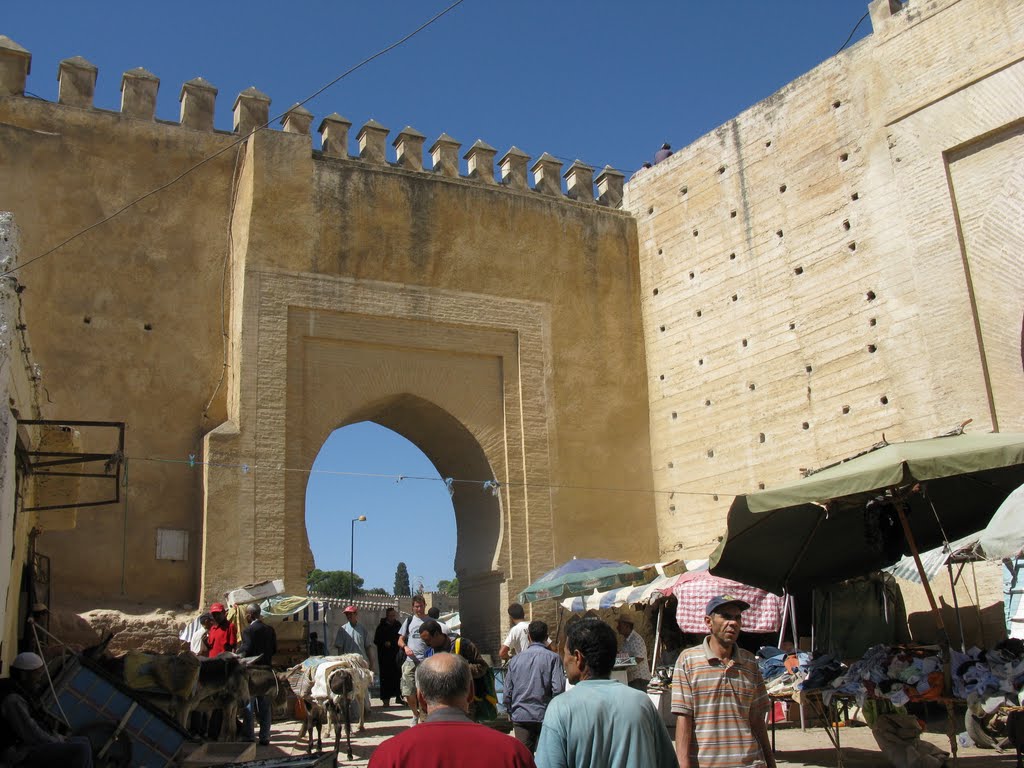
(720, 698)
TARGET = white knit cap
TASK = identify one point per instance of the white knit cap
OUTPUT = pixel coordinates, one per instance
(27, 661)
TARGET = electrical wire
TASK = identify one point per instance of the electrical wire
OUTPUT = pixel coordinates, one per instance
(852, 32)
(234, 143)
(192, 462)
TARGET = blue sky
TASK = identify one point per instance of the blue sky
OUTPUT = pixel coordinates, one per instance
(604, 81)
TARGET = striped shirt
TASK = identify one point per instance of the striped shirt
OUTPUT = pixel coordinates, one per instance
(720, 697)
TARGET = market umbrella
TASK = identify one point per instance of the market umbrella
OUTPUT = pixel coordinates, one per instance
(580, 576)
(845, 520)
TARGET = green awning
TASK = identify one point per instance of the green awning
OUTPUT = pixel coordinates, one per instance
(820, 528)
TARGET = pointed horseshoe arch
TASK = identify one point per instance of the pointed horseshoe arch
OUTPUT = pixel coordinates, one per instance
(461, 377)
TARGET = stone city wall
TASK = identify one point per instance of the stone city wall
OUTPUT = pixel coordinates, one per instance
(841, 261)
(282, 291)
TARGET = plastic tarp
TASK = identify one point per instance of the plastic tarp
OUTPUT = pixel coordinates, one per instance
(934, 560)
(291, 608)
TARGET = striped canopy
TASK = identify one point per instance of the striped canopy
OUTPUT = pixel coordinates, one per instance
(631, 595)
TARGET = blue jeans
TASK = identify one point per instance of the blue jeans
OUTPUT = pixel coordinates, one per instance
(264, 706)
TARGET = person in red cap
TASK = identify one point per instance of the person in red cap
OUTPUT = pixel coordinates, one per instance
(223, 635)
(719, 695)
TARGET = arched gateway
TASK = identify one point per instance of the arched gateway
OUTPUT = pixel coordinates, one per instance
(292, 290)
(453, 391)
(481, 560)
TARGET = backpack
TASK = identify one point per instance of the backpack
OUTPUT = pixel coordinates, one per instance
(485, 695)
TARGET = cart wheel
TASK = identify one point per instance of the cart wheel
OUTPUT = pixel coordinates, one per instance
(118, 755)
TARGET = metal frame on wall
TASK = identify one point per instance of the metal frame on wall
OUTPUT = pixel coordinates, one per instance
(43, 463)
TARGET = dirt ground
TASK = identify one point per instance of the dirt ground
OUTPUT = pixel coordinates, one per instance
(794, 747)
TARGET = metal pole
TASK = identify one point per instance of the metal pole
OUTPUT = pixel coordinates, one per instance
(956, 606)
(785, 615)
(352, 558)
(657, 637)
(939, 623)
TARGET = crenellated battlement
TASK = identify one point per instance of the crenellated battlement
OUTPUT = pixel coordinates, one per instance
(251, 111)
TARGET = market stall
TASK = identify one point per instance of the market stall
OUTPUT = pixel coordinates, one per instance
(864, 513)
(683, 596)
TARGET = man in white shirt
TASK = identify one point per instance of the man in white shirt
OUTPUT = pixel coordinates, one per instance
(633, 645)
(518, 639)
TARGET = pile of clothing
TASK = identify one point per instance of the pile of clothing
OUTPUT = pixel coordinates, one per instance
(992, 684)
(786, 672)
(898, 673)
(981, 674)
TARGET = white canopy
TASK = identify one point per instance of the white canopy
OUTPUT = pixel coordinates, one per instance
(1003, 537)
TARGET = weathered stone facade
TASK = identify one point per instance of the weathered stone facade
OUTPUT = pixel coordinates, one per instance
(841, 261)
(495, 325)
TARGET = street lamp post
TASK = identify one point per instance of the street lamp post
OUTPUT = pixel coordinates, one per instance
(352, 558)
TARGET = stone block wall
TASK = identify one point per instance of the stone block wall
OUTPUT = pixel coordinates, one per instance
(838, 263)
(289, 287)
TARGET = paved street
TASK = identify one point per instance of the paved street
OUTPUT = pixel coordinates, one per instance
(795, 747)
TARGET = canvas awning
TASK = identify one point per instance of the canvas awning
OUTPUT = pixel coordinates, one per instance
(829, 526)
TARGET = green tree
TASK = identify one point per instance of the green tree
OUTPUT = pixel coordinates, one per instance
(377, 591)
(447, 587)
(402, 580)
(334, 583)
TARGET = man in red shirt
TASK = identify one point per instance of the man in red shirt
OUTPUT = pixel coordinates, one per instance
(222, 636)
(444, 687)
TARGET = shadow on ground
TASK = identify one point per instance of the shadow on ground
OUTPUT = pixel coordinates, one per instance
(854, 757)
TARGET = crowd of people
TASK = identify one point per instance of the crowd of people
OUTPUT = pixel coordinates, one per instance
(566, 710)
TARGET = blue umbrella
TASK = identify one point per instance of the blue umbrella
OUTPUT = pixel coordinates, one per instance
(581, 576)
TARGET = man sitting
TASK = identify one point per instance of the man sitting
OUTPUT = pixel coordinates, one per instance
(444, 687)
(26, 735)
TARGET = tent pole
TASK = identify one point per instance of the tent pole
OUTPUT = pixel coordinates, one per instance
(977, 606)
(909, 535)
(657, 637)
(785, 615)
(831, 634)
(814, 619)
(956, 607)
(792, 623)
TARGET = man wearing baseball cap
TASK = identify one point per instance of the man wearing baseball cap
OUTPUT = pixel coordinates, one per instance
(720, 698)
(26, 737)
(223, 635)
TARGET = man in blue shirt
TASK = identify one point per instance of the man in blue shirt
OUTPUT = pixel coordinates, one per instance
(600, 723)
(534, 677)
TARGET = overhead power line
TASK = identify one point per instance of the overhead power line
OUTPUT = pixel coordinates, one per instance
(491, 485)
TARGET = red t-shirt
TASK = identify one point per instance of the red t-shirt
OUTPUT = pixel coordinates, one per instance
(221, 637)
(465, 744)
